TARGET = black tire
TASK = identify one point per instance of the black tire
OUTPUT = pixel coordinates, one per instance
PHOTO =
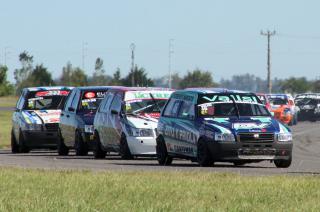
(63, 150)
(124, 149)
(239, 163)
(162, 154)
(203, 154)
(283, 163)
(80, 146)
(14, 144)
(98, 152)
(22, 144)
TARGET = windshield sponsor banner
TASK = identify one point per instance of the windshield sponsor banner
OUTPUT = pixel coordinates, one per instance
(230, 98)
(52, 93)
(133, 95)
(49, 116)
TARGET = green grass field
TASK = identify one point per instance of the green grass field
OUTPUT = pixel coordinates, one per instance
(39, 190)
(5, 120)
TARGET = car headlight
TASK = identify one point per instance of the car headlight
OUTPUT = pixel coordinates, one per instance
(224, 137)
(284, 137)
(88, 128)
(135, 132)
(34, 127)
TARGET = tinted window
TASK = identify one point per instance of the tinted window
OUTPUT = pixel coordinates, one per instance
(106, 103)
(116, 103)
(172, 107)
(75, 100)
(186, 110)
(46, 100)
(91, 99)
(69, 100)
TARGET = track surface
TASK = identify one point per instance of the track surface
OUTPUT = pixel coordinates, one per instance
(306, 159)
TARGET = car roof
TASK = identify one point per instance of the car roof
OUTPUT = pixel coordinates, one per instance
(125, 89)
(85, 88)
(212, 90)
(46, 88)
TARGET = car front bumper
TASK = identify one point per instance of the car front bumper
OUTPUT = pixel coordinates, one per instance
(40, 139)
(142, 145)
(234, 151)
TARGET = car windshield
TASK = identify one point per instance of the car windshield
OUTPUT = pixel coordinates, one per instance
(91, 99)
(46, 100)
(144, 106)
(307, 101)
(278, 101)
(222, 105)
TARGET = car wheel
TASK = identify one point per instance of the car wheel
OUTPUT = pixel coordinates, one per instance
(239, 163)
(62, 148)
(162, 153)
(14, 144)
(80, 145)
(98, 152)
(283, 163)
(124, 149)
(203, 154)
(22, 144)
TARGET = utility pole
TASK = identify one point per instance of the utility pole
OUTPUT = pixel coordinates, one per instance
(170, 54)
(132, 47)
(84, 54)
(269, 34)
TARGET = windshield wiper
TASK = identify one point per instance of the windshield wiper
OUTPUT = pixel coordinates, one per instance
(236, 106)
(155, 102)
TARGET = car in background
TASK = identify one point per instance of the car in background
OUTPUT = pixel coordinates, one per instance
(76, 122)
(126, 121)
(219, 125)
(264, 99)
(36, 118)
(309, 105)
(284, 108)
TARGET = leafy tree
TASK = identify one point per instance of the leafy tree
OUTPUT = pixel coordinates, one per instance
(73, 76)
(5, 87)
(116, 80)
(40, 77)
(140, 78)
(296, 85)
(99, 77)
(22, 74)
(197, 78)
(316, 86)
(164, 81)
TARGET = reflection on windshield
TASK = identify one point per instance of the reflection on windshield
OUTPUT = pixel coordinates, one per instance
(144, 106)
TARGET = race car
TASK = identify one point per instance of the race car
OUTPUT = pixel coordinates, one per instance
(309, 105)
(76, 121)
(219, 125)
(126, 121)
(36, 118)
(283, 108)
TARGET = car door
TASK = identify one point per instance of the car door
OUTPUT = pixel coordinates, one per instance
(72, 119)
(114, 117)
(64, 117)
(17, 115)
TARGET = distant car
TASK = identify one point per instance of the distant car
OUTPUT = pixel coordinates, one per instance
(284, 108)
(220, 125)
(309, 105)
(126, 121)
(36, 118)
(76, 122)
(264, 99)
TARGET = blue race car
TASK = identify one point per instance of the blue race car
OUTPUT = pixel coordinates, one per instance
(76, 122)
(219, 125)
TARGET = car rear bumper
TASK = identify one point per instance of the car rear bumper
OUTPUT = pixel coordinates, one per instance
(142, 145)
(233, 151)
(40, 139)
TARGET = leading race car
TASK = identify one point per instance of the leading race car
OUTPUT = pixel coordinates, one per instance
(309, 105)
(36, 118)
(212, 125)
(126, 121)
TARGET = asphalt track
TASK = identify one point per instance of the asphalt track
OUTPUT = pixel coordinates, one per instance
(306, 159)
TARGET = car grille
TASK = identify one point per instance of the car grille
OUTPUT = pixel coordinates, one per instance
(256, 137)
(52, 126)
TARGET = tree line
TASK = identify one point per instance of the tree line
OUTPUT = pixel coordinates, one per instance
(29, 75)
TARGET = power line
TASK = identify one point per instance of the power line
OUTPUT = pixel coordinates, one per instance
(268, 34)
(169, 66)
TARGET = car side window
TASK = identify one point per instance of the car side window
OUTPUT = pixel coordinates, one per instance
(69, 100)
(75, 100)
(172, 108)
(20, 102)
(107, 104)
(186, 110)
(116, 103)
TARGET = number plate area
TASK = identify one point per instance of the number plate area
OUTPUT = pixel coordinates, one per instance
(257, 154)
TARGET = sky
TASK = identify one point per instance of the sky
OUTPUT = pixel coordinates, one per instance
(222, 37)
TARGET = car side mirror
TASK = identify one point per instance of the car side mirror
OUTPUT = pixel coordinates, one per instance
(71, 109)
(114, 112)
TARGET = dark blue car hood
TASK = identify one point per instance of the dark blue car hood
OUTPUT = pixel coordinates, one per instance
(245, 124)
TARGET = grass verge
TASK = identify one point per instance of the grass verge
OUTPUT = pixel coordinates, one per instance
(5, 128)
(8, 101)
(39, 190)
